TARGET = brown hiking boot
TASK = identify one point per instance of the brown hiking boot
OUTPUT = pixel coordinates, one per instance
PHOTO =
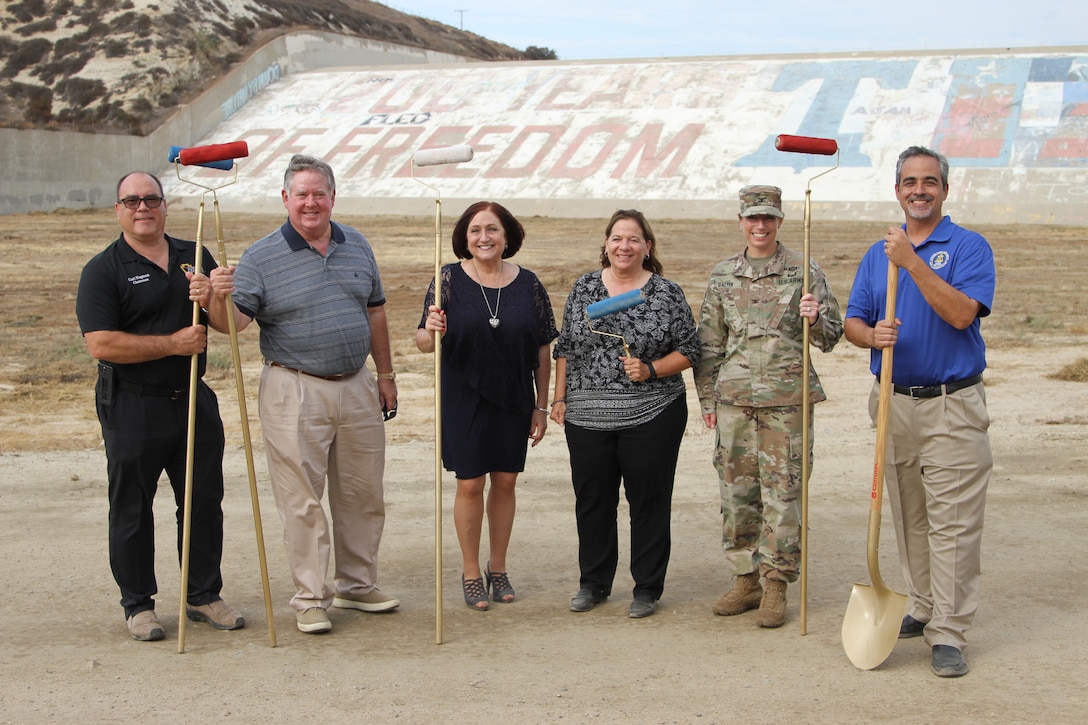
(744, 595)
(772, 609)
(144, 626)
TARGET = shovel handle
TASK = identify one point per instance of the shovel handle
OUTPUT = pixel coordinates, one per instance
(884, 405)
(882, 415)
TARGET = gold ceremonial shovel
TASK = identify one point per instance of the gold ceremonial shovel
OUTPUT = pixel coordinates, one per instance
(870, 628)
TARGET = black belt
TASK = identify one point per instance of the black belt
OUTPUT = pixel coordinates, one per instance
(936, 391)
(151, 390)
(341, 376)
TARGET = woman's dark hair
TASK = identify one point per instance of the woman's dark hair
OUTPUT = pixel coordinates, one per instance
(515, 232)
(652, 262)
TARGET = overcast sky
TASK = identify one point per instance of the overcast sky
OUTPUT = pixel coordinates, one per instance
(594, 29)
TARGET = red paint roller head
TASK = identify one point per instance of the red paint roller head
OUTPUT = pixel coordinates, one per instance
(222, 165)
(806, 145)
(199, 155)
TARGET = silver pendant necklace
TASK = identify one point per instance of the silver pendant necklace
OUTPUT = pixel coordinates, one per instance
(494, 314)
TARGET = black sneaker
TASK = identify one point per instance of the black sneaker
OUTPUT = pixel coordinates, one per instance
(948, 661)
(585, 600)
(911, 627)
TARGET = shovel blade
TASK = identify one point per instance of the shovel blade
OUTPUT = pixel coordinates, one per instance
(870, 628)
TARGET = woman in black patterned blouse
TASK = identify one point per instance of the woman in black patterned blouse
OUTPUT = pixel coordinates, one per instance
(624, 416)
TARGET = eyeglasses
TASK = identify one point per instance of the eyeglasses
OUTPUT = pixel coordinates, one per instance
(133, 202)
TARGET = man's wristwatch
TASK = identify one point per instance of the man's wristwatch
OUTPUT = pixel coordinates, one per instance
(386, 376)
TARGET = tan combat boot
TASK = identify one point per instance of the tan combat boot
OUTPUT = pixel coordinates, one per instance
(772, 609)
(744, 595)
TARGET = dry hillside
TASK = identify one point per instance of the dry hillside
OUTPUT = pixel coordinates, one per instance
(120, 66)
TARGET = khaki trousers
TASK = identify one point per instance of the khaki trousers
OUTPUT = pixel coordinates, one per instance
(938, 468)
(317, 431)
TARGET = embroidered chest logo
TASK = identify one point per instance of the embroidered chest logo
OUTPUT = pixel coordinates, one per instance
(139, 279)
(938, 260)
(186, 267)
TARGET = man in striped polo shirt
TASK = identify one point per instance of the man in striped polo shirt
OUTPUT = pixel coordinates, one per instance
(313, 288)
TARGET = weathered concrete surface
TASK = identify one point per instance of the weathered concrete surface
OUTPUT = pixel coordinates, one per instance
(675, 137)
(679, 137)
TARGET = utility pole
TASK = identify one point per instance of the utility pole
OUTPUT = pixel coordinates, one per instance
(462, 17)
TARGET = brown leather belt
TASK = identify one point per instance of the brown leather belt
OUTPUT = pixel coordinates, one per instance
(312, 375)
(935, 391)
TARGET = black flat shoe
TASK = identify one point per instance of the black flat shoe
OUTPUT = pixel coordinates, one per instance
(585, 600)
(948, 661)
(911, 627)
(641, 608)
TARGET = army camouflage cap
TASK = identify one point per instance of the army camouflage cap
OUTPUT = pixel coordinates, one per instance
(759, 199)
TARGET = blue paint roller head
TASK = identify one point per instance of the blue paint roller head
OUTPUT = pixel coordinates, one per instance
(619, 303)
(223, 164)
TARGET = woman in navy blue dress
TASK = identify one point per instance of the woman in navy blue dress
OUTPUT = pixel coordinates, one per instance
(497, 326)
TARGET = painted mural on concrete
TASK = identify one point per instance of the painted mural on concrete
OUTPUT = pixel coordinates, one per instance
(686, 131)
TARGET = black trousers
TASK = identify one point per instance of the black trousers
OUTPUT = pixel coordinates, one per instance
(145, 435)
(644, 458)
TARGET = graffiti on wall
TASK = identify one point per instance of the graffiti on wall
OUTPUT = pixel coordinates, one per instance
(250, 90)
(665, 129)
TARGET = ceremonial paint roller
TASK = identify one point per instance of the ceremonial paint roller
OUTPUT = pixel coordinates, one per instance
(224, 165)
(443, 155)
(806, 145)
(820, 147)
(213, 152)
(809, 145)
(619, 303)
(214, 156)
(870, 627)
(436, 157)
(612, 305)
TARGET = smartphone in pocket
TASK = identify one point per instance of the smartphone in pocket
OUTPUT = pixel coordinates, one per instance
(106, 384)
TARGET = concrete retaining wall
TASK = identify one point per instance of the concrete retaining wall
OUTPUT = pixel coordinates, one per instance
(679, 137)
(47, 170)
(674, 137)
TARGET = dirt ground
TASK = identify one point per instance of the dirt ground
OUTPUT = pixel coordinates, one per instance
(65, 655)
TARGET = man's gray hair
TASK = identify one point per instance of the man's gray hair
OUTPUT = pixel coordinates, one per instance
(302, 162)
(921, 151)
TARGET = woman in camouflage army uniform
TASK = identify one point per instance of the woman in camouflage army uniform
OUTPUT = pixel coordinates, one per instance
(751, 328)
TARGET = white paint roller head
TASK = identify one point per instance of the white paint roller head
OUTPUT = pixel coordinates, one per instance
(443, 155)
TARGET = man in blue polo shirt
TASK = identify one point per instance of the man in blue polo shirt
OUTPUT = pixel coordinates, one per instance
(939, 457)
(313, 288)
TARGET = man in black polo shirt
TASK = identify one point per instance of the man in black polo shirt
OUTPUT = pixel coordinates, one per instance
(135, 313)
